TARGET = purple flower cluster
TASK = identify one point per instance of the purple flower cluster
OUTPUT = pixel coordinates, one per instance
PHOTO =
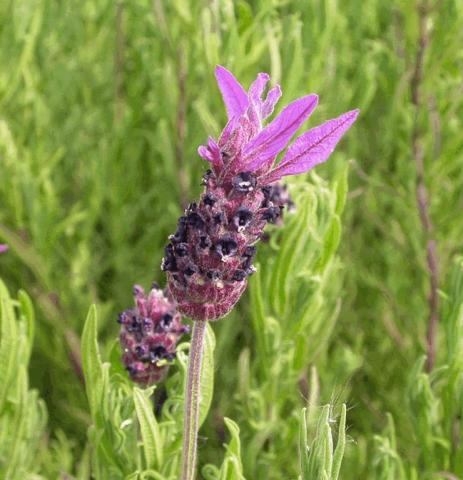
(149, 335)
(210, 255)
(3, 248)
(278, 194)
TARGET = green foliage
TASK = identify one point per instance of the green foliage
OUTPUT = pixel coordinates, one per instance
(102, 107)
(320, 460)
(232, 468)
(23, 414)
(435, 404)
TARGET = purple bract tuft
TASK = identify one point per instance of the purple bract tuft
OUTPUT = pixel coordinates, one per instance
(210, 255)
(149, 335)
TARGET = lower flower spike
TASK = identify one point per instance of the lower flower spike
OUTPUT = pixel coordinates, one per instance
(149, 335)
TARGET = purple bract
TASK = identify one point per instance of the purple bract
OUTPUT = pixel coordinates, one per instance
(210, 255)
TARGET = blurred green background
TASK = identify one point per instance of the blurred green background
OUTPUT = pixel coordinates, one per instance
(102, 106)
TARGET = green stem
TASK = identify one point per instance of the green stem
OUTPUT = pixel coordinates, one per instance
(192, 399)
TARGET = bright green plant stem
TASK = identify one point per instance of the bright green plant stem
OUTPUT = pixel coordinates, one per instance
(192, 400)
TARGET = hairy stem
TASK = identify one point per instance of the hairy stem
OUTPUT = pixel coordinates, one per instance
(192, 398)
(422, 196)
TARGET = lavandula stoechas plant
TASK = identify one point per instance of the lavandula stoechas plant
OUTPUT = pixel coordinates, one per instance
(209, 257)
(149, 335)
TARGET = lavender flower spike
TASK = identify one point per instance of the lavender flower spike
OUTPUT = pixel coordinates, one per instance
(210, 255)
(149, 335)
(3, 248)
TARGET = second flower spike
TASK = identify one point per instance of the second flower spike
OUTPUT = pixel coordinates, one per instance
(149, 335)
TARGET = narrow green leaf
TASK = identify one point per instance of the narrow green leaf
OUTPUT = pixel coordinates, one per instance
(330, 243)
(27, 310)
(9, 344)
(150, 432)
(341, 190)
(232, 468)
(207, 374)
(290, 248)
(340, 445)
(91, 361)
(303, 454)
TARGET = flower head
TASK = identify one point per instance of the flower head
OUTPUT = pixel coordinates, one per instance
(210, 255)
(149, 335)
(3, 248)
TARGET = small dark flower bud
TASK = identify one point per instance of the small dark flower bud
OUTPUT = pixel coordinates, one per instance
(250, 270)
(190, 270)
(157, 353)
(247, 263)
(181, 234)
(195, 221)
(141, 351)
(271, 214)
(250, 251)
(267, 191)
(209, 199)
(277, 195)
(166, 320)
(219, 218)
(213, 275)
(204, 242)
(147, 324)
(244, 182)
(192, 207)
(226, 247)
(181, 249)
(169, 264)
(206, 177)
(239, 275)
(242, 218)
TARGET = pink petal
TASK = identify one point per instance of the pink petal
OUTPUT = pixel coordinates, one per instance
(228, 130)
(270, 141)
(211, 153)
(272, 98)
(313, 147)
(213, 147)
(258, 86)
(233, 94)
(3, 248)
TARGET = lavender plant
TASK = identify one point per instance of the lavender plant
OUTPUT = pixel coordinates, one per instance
(102, 105)
(210, 255)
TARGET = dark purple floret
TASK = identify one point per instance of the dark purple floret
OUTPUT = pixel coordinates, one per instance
(149, 335)
(271, 214)
(244, 182)
(242, 218)
(226, 247)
